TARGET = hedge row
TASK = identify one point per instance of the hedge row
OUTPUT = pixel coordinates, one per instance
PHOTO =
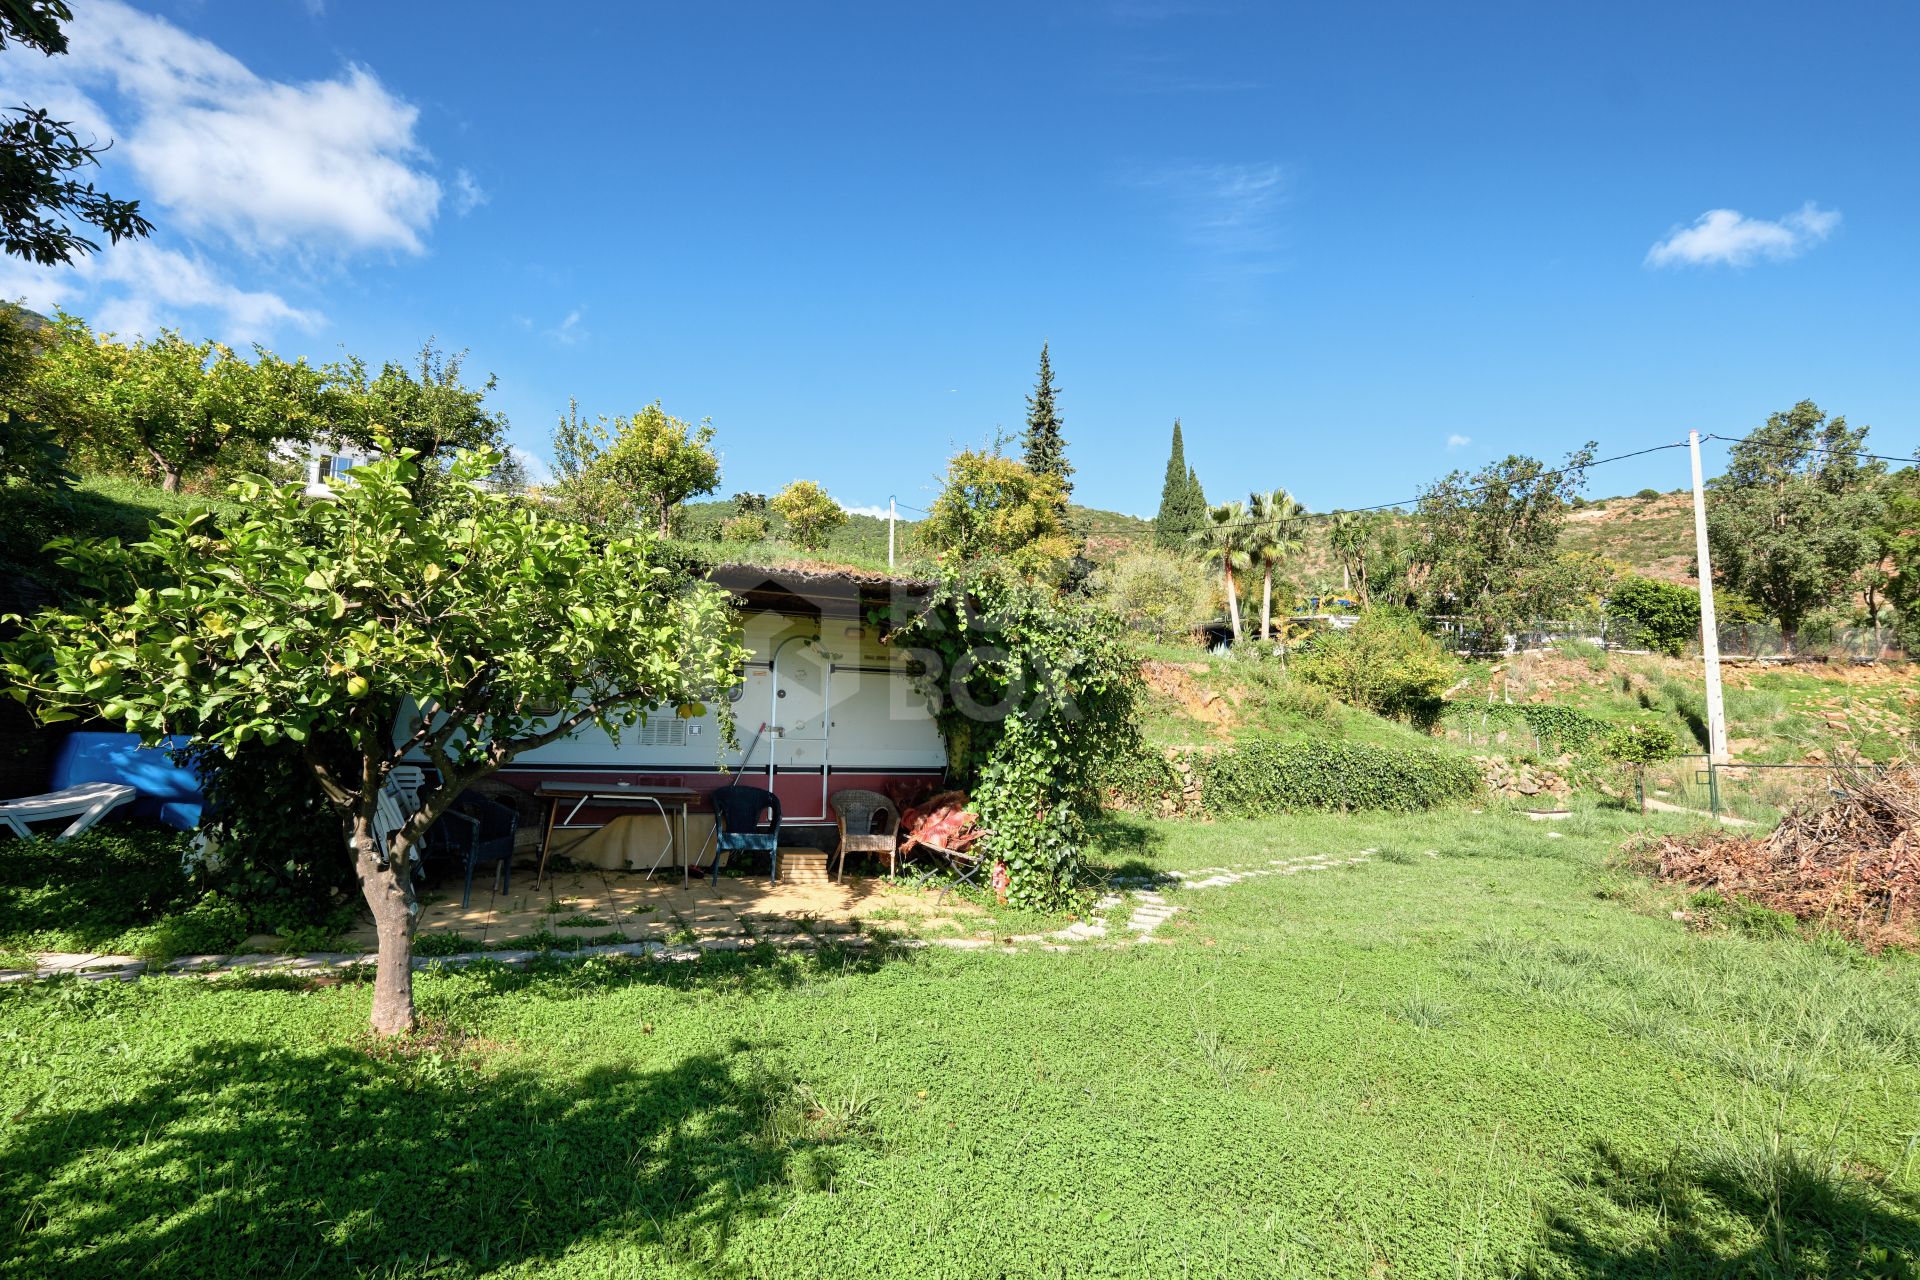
(1261, 778)
(1273, 777)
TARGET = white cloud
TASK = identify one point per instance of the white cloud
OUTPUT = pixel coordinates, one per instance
(326, 165)
(138, 288)
(1230, 211)
(880, 512)
(468, 194)
(536, 468)
(569, 332)
(1730, 238)
(1458, 441)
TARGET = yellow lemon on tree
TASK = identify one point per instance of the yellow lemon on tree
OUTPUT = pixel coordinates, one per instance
(357, 687)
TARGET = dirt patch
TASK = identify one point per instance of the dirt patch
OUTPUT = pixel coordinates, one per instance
(1852, 865)
(1537, 677)
(1176, 684)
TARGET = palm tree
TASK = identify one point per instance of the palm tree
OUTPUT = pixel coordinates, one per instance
(1349, 534)
(1275, 536)
(1225, 535)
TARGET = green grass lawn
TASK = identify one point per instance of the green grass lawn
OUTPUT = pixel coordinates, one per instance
(1483, 1052)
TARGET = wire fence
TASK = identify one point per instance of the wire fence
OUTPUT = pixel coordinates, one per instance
(1750, 641)
(1744, 791)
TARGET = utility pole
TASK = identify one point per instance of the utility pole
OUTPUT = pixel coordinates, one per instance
(892, 512)
(1709, 628)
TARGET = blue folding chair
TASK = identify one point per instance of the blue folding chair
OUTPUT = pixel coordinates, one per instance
(746, 820)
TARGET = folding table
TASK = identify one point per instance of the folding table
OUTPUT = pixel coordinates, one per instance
(600, 794)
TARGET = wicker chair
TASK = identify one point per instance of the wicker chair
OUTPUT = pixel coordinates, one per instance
(869, 823)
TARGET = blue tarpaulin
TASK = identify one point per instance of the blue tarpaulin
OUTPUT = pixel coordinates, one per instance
(169, 792)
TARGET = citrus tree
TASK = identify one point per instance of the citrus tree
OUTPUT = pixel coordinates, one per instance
(165, 405)
(373, 631)
(631, 471)
(993, 508)
(1637, 744)
(810, 512)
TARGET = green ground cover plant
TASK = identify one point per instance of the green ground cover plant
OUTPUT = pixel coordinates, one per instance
(1482, 1052)
(119, 888)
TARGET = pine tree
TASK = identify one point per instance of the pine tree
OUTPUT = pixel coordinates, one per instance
(1046, 447)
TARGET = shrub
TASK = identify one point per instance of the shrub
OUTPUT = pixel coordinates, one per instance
(1147, 780)
(278, 839)
(1386, 663)
(752, 527)
(1637, 744)
(1647, 493)
(1156, 593)
(1261, 778)
(1663, 616)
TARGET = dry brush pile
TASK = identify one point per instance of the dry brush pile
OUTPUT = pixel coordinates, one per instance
(1851, 865)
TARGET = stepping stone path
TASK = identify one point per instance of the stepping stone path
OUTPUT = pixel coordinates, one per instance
(1147, 910)
(1215, 877)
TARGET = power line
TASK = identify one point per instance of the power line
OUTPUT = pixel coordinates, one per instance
(1811, 448)
(1553, 473)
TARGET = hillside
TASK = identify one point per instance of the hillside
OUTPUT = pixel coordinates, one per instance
(1651, 536)
(1109, 533)
(1195, 701)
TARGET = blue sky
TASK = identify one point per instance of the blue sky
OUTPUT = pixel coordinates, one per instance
(1352, 246)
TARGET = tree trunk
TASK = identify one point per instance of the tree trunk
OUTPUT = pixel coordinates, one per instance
(169, 474)
(1233, 603)
(389, 892)
(1266, 607)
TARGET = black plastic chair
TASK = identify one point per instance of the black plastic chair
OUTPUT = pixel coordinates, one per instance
(475, 832)
(746, 820)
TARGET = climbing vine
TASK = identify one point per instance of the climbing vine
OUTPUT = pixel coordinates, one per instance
(1033, 692)
(1565, 727)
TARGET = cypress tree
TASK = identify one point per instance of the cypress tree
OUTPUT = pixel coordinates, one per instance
(1046, 447)
(1183, 507)
(1169, 524)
